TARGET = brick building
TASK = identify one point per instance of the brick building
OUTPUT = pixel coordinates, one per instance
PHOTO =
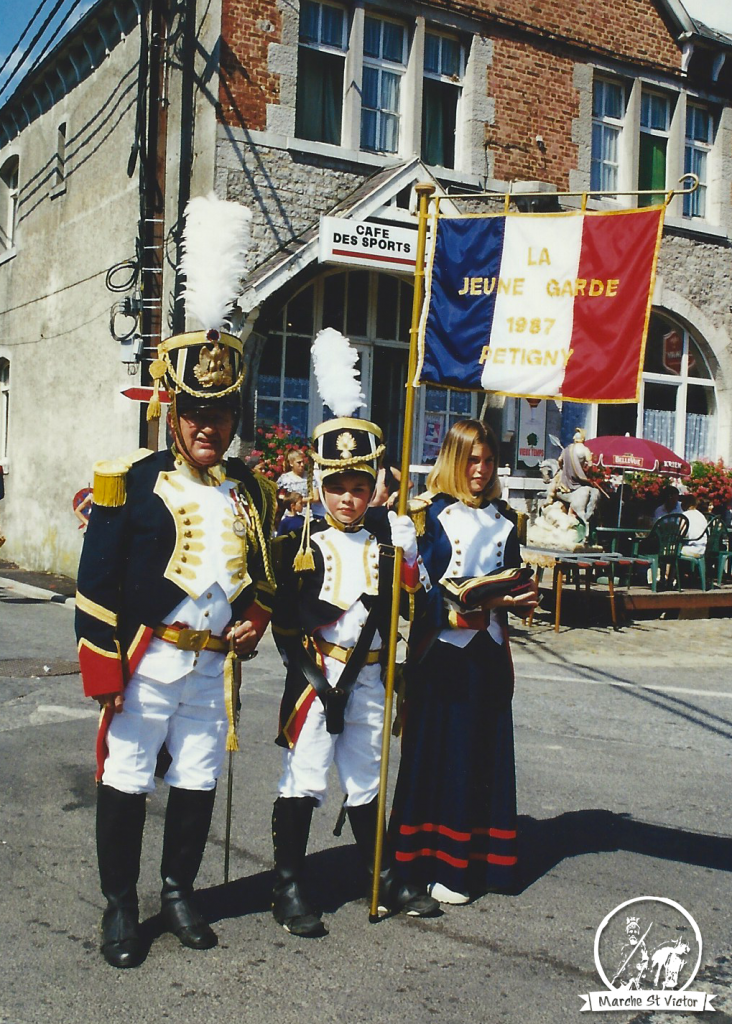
(330, 109)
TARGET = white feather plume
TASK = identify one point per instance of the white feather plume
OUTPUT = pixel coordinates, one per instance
(215, 246)
(334, 363)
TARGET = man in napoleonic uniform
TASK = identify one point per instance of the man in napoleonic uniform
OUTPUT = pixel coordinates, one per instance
(174, 574)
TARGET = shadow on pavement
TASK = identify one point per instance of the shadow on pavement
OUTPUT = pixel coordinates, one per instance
(333, 878)
(546, 843)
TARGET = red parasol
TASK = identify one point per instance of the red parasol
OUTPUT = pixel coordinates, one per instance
(636, 454)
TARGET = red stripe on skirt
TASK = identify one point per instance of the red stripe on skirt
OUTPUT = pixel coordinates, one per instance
(443, 830)
(494, 858)
(457, 862)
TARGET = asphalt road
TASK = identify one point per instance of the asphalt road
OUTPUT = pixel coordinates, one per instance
(623, 757)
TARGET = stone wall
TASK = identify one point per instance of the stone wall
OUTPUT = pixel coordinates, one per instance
(66, 373)
(287, 192)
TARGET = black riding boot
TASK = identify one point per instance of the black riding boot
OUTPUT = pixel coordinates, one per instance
(187, 821)
(291, 818)
(394, 896)
(120, 821)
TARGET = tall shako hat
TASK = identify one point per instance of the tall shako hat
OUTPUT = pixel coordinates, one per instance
(344, 443)
(206, 366)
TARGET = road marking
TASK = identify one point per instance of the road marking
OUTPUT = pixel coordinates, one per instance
(627, 686)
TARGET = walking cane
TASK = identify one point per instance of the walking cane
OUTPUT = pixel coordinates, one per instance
(424, 191)
(232, 684)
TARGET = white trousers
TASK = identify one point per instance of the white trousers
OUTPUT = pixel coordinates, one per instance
(188, 715)
(356, 751)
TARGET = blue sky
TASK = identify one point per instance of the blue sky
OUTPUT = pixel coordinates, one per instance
(714, 13)
(15, 15)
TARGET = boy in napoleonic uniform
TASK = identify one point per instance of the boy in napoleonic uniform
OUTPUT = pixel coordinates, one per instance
(331, 623)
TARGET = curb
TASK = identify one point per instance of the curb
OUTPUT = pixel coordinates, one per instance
(35, 593)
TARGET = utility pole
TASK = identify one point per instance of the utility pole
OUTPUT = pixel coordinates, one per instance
(153, 218)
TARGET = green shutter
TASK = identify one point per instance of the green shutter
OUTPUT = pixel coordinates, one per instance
(652, 168)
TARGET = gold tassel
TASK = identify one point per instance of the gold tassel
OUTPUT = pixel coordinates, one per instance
(230, 698)
(304, 561)
(153, 406)
(157, 371)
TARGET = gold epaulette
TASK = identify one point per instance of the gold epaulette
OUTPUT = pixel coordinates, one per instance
(110, 484)
(418, 511)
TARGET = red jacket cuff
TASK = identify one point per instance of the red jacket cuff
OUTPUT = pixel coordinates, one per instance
(258, 616)
(101, 671)
(410, 576)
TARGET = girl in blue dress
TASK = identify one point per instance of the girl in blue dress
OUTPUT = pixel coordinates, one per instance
(453, 823)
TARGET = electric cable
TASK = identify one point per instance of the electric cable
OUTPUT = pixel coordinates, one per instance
(52, 38)
(130, 265)
(37, 11)
(30, 46)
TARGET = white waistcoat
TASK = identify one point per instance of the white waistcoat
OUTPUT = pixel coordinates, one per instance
(478, 539)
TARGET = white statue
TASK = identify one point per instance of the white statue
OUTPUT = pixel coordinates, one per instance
(557, 526)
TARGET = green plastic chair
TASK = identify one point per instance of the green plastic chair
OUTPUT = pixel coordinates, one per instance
(715, 556)
(661, 546)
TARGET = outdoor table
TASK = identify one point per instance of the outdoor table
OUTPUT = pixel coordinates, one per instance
(573, 564)
(616, 533)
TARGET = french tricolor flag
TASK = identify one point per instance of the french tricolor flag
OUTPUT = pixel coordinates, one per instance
(549, 305)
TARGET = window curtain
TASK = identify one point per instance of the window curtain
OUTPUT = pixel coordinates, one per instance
(439, 108)
(659, 425)
(319, 96)
(698, 436)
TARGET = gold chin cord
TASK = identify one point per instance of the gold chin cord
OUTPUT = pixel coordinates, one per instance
(424, 191)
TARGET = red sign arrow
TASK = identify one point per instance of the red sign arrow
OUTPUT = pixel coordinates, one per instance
(142, 394)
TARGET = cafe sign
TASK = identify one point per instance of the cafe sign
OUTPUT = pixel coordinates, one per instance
(365, 243)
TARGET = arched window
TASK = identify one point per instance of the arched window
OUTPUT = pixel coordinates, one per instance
(8, 202)
(678, 403)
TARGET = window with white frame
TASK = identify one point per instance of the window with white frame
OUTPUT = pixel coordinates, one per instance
(4, 407)
(655, 122)
(8, 202)
(442, 408)
(384, 65)
(283, 383)
(444, 68)
(698, 146)
(320, 71)
(608, 113)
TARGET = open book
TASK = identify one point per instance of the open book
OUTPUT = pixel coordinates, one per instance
(471, 591)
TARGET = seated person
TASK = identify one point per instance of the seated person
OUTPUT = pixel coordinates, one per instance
(670, 503)
(695, 542)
